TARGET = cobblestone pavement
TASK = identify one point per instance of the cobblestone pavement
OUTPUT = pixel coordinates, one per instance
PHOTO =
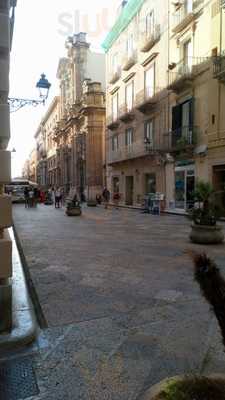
(117, 291)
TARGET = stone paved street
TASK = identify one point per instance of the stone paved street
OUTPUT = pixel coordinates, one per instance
(116, 288)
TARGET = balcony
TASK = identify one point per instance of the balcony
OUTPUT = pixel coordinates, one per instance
(112, 123)
(182, 140)
(182, 74)
(129, 61)
(135, 150)
(219, 68)
(148, 40)
(59, 127)
(185, 14)
(126, 114)
(115, 76)
(146, 101)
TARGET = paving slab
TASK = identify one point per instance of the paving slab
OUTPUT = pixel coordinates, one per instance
(123, 312)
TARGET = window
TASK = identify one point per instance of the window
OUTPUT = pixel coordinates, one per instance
(150, 81)
(130, 46)
(115, 63)
(115, 102)
(188, 5)
(115, 142)
(187, 55)
(149, 133)
(129, 136)
(129, 95)
(150, 23)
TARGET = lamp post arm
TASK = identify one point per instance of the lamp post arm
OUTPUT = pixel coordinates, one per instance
(17, 103)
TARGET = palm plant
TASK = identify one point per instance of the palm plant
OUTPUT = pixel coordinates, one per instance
(207, 212)
(212, 286)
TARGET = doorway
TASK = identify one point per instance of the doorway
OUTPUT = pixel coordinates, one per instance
(116, 184)
(150, 183)
(219, 186)
(129, 190)
(184, 187)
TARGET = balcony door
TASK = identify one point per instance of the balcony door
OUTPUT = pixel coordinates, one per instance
(182, 122)
(150, 82)
(188, 4)
(188, 56)
(129, 190)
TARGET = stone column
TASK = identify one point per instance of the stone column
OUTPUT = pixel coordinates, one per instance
(5, 174)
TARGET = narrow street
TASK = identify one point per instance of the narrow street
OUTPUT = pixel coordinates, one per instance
(117, 292)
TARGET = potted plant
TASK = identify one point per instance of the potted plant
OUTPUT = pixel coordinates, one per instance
(73, 208)
(205, 214)
(212, 387)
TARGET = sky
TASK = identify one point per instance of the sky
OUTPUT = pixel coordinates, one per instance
(41, 29)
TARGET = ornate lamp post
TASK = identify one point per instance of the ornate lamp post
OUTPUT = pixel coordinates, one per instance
(43, 85)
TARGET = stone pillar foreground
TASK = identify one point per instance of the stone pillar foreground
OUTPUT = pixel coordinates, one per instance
(5, 173)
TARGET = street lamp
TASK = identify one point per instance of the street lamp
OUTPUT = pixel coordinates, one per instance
(43, 85)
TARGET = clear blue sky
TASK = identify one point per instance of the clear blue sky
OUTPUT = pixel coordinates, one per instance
(41, 29)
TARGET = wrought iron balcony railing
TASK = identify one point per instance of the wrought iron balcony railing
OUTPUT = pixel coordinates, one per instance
(186, 12)
(147, 99)
(182, 139)
(112, 122)
(181, 74)
(126, 113)
(135, 150)
(129, 60)
(115, 76)
(149, 39)
(219, 68)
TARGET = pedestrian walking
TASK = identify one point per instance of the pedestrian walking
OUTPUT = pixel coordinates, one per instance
(106, 197)
(26, 197)
(58, 198)
(36, 196)
(99, 199)
(31, 198)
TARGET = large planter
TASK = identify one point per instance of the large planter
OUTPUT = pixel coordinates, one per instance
(206, 234)
(73, 212)
(154, 393)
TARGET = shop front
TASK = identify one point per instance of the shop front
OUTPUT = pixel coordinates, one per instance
(184, 185)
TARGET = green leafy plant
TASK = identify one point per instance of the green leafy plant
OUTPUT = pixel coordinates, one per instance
(207, 212)
(194, 388)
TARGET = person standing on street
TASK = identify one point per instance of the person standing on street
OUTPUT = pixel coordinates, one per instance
(26, 197)
(106, 197)
(58, 197)
(31, 197)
